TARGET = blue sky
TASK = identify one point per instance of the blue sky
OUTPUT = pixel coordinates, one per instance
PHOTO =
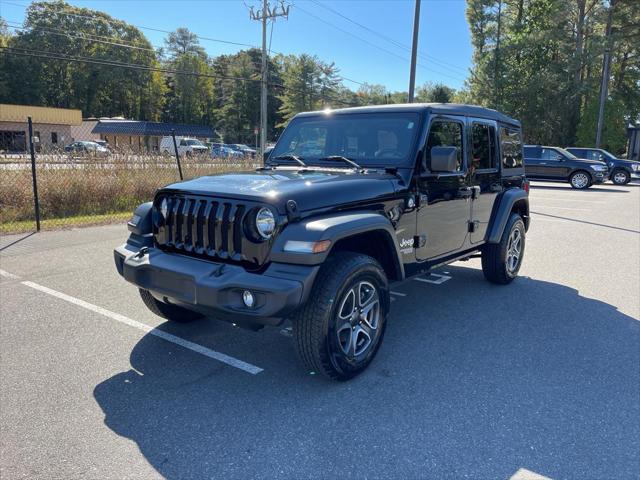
(444, 42)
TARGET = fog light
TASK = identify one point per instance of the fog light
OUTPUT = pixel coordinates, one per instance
(247, 298)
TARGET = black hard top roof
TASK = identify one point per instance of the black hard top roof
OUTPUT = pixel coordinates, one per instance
(442, 108)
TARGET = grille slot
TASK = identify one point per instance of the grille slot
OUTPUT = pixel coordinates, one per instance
(203, 226)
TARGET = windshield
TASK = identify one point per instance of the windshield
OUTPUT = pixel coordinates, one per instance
(370, 139)
(608, 155)
(195, 142)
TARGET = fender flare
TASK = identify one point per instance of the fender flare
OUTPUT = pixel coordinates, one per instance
(334, 227)
(501, 215)
(141, 223)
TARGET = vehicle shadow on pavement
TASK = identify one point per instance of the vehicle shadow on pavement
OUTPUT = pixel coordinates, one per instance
(594, 189)
(473, 381)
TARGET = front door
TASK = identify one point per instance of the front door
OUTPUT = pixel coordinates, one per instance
(551, 165)
(445, 197)
(484, 175)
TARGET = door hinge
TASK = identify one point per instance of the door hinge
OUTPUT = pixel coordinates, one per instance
(473, 226)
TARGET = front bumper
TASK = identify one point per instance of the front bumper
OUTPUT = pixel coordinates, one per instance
(215, 288)
(600, 177)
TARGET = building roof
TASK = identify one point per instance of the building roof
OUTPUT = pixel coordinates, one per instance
(48, 115)
(443, 108)
(144, 128)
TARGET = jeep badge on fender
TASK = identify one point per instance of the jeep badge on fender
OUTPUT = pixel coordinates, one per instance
(348, 201)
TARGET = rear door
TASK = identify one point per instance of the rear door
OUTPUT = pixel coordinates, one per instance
(484, 175)
(532, 161)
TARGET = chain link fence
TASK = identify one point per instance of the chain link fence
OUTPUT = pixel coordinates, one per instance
(99, 171)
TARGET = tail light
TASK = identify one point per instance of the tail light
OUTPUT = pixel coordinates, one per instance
(525, 186)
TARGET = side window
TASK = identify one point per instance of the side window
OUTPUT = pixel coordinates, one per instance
(445, 134)
(550, 155)
(183, 143)
(511, 148)
(483, 154)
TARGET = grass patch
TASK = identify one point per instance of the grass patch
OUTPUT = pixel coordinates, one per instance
(25, 226)
(73, 194)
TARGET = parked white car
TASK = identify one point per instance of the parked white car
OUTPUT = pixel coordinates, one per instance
(186, 146)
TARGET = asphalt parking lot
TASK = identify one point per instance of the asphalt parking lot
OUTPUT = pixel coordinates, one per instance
(473, 380)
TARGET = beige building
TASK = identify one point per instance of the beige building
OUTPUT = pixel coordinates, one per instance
(51, 126)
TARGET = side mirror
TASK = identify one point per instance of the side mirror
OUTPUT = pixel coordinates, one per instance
(444, 159)
(266, 154)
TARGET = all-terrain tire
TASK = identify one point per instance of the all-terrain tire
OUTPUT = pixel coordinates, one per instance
(165, 310)
(317, 326)
(497, 265)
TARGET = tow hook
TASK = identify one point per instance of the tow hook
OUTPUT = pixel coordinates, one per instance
(143, 251)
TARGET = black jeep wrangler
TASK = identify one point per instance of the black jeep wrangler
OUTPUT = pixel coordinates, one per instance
(347, 202)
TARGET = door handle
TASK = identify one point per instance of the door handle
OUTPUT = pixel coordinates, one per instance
(543, 163)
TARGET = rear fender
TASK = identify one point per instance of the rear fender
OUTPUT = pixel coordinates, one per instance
(513, 198)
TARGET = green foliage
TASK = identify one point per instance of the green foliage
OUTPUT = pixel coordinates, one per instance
(541, 61)
(435, 92)
(308, 84)
(57, 27)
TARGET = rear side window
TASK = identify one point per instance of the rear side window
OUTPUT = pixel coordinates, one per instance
(511, 147)
(483, 154)
(445, 134)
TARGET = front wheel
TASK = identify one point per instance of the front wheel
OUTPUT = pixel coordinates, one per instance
(580, 180)
(620, 177)
(501, 261)
(339, 330)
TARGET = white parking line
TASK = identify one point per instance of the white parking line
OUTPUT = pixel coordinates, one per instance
(398, 294)
(6, 274)
(439, 279)
(207, 352)
(565, 208)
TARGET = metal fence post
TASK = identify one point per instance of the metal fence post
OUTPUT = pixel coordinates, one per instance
(175, 147)
(33, 175)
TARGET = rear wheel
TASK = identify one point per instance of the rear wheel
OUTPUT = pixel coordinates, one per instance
(340, 328)
(620, 177)
(168, 311)
(580, 180)
(501, 261)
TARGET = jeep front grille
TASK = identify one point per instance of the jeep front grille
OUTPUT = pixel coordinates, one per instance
(201, 226)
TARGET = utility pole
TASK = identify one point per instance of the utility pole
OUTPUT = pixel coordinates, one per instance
(267, 13)
(414, 52)
(604, 84)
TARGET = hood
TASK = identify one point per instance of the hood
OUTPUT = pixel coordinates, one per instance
(626, 162)
(311, 190)
(590, 162)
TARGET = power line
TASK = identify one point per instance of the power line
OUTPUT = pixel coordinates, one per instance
(62, 33)
(373, 44)
(141, 27)
(25, 52)
(427, 57)
(106, 20)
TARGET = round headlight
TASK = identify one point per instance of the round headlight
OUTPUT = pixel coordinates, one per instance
(265, 223)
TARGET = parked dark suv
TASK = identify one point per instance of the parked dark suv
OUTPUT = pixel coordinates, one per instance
(556, 164)
(621, 170)
(349, 201)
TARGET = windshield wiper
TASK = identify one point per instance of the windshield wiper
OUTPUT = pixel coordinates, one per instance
(295, 158)
(342, 159)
